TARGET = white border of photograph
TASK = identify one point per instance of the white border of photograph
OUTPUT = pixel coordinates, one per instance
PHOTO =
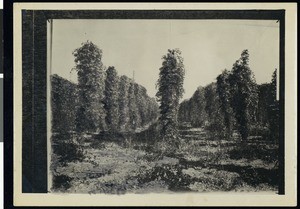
(159, 199)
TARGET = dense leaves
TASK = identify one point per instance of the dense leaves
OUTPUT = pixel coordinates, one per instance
(133, 151)
(101, 101)
(214, 112)
(111, 103)
(273, 108)
(223, 90)
(64, 104)
(234, 102)
(134, 116)
(91, 75)
(244, 94)
(193, 110)
(123, 102)
(170, 90)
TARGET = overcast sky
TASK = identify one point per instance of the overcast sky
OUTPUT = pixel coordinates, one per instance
(208, 47)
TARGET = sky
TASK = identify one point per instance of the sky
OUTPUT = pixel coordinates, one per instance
(208, 47)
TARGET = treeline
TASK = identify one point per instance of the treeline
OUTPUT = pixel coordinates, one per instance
(64, 104)
(235, 102)
(102, 101)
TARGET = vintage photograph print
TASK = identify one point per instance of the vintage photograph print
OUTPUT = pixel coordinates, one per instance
(147, 101)
(142, 106)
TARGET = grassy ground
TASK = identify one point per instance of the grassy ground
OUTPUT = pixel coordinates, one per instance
(198, 165)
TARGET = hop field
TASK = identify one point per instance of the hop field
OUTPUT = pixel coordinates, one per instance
(198, 165)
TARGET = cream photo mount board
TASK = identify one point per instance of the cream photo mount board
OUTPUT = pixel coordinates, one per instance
(31, 64)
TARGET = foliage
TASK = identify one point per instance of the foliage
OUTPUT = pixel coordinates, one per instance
(264, 99)
(184, 114)
(120, 160)
(64, 104)
(66, 148)
(193, 110)
(152, 111)
(105, 101)
(259, 130)
(123, 103)
(136, 108)
(274, 108)
(223, 90)
(268, 109)
(140, 93)
(61, 182)
(150, 135)
(260, 150)
(235, 101)
(212, 107)
(211, 100)
(202, 109)
(148, 109)
(134, 116)
(116, 169)
(170, 90)
(198, 115)
(244, 95)
(170, 174)
(111, 103)
(91, 75)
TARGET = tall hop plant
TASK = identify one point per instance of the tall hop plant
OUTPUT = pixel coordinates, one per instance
(170, 91)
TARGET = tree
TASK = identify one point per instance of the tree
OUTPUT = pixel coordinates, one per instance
(184, 111)
(134, 117)
(197, 108)
(111, 103)
(264, 99)
(274, 108)
(193, 110)
(244, 93)
(213, 110)
(170, 90)
(141, 102)
(64, 104)
(211, 100)
(152, 110)
(223, 90)
(91, 75)
(123, 103)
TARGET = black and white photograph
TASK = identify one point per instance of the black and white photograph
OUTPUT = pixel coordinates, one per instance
(164, 105)
(153, 102)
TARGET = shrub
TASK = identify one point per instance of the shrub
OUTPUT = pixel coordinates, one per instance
(253, 152)
(171, 174)
(66, 148)
(215, 130)
(61, 182)
(167, 146)
(259, 130)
